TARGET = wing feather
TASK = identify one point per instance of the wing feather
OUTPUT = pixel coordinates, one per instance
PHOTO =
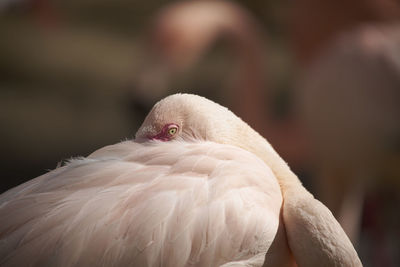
(170, 204)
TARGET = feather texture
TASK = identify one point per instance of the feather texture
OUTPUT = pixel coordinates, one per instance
(170, 204)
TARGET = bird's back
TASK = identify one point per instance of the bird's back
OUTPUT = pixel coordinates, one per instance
(169, 204)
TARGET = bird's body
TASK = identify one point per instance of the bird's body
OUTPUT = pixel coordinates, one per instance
(197, 187)
(158, 204)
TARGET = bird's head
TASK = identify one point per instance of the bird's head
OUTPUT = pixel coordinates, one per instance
(194, 118)
(190, 117)
(183, 117)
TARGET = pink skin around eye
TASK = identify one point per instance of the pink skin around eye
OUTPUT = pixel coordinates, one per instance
(163, 134)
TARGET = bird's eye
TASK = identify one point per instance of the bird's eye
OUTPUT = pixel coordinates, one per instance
(166, 134)
(172, 130)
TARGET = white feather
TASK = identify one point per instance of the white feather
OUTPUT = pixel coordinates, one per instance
(170, 204)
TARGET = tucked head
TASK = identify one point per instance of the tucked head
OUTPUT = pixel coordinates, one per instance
(191, 118)
(187, 117)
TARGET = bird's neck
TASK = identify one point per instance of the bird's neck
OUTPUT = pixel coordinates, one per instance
(258, 145)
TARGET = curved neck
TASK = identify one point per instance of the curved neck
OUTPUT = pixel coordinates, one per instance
(287, 179)
(258, 145)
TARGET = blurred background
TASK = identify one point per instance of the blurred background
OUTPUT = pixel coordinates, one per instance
(320, 79)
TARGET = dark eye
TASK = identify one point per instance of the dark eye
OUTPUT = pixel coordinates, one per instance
(172, 130)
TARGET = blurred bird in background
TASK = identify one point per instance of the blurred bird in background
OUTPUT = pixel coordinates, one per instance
(349, 100)
(184, 32)
(90, 80)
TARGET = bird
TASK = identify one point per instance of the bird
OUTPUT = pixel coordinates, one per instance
(196, 186)
(350, 107)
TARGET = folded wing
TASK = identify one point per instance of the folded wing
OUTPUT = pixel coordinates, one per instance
(174, 204)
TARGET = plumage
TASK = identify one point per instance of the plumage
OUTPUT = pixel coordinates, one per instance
(161, 203)
(215, 194)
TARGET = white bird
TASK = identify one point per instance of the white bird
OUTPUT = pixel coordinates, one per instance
(197, 187)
